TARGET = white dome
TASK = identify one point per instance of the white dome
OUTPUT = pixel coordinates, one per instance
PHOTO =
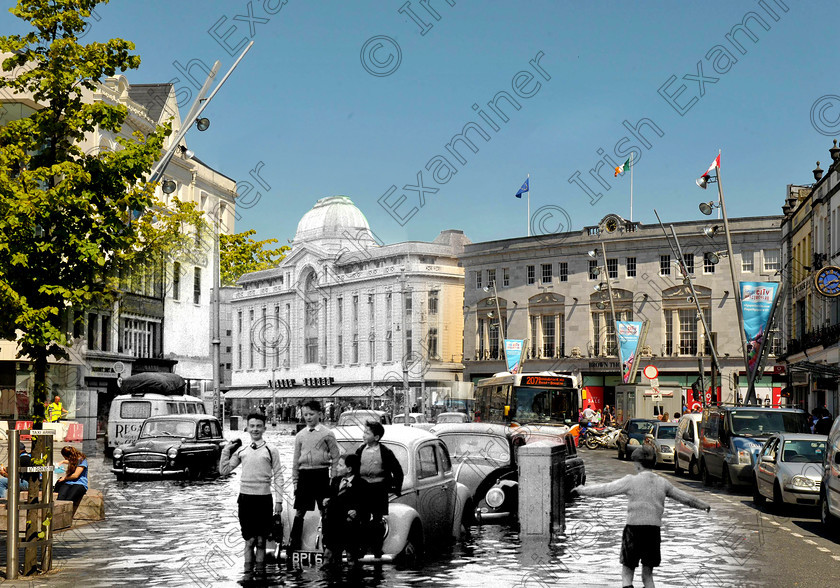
(333, 218)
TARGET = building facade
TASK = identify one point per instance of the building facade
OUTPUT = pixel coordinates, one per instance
(550, 291)
(342, 315)
(811, 319)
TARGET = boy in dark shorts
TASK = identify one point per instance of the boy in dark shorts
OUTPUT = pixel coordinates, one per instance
(347, 511)
(262, 472)
(646, 493)
(315, 458)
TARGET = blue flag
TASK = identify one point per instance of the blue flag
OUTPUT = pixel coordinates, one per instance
(523, 189)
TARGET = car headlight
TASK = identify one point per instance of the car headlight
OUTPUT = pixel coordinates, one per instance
(633, 442)
(665, 449)
(118, 453)
(386, 526)
(495, 497)
(172, 452)
(803, 482)
(744, 456)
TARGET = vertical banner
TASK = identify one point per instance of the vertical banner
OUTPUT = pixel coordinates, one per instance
(513, 355)
(629, 335)
(756, 305)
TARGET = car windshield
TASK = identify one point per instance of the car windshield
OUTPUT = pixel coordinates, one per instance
(450, 418)
(168, 428)
(639, 427)
(400, 452)
(470, 446)
(666, 433)
(358, 417)
(802, 451)
(401, 419)
(755, 423)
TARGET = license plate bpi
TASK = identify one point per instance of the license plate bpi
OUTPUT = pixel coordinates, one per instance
(307, 558)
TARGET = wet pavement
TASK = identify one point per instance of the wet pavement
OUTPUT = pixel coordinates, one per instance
(172, 533)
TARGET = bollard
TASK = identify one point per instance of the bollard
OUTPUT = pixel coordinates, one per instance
(542, 466)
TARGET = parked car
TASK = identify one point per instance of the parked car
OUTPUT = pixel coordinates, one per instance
(415, 419)
(632, 435)
(732, 436)
(830, 483)
(485, 456)
(687, 446)
(358, 418)
(432, 509)
(187, 445)
(452, 417)
(789, 469)
(662, 437)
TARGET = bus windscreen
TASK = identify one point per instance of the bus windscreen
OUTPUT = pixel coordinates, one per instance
(536, 405)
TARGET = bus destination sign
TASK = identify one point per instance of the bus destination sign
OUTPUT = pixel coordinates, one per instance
(546, 381)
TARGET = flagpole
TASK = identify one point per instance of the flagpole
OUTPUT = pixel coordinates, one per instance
(528, 220)
(631, 186)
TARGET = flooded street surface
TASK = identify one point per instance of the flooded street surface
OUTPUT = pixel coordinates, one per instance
(172, 533)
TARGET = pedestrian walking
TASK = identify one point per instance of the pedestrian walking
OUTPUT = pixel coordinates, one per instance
(646, 493)
(314, 462)
(262, 477)
(383, 472)
(607, 416)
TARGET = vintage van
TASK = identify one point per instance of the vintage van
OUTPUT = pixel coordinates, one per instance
(149, 394)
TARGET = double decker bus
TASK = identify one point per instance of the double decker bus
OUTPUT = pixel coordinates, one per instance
(540, 399)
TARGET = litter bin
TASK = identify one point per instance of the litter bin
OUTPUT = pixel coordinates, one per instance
(235, 423)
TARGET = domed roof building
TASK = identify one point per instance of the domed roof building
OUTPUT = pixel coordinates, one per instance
(343, 309)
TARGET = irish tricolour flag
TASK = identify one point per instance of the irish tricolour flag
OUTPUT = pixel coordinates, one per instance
(622, 168)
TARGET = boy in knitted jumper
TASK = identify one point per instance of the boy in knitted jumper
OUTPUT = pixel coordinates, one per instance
(646, 493)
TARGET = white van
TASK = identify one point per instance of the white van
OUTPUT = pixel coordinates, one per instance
(128, 412)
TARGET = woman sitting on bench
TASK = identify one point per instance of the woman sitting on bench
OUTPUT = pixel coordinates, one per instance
(73, 485)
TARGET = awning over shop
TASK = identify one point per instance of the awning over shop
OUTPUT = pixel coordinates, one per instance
(242, 393)
(359, 391)
(306, 392)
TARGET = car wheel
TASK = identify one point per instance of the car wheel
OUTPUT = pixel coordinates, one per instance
(620, 453)
(591, 442)
(467, 519)
(727, 479)
(677, 469)
(828, 520)
(412, 552)
(693, 471)
(704, 474)
(758, 497)
(778, 500)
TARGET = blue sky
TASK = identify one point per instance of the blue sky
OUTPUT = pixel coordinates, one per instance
(303, 103)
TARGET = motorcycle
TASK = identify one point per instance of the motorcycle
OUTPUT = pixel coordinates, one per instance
(603, 437)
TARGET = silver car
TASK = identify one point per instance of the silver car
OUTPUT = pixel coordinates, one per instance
(789, 469)
(662, 437)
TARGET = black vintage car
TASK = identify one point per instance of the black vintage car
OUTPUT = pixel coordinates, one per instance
(485, 462)
(187, 445)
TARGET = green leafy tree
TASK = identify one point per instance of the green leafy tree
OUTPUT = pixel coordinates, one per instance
(239, 255)
(68, 220)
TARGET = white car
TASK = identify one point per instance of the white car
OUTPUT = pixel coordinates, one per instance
(789, 469)
(415, 419)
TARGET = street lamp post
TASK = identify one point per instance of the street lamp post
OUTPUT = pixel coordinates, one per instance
(499, 313)
(706, 208)
(273, 399)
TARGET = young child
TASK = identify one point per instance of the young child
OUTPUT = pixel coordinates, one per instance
(347, 511)
(646, 494)
(381, 469)
(314, 461)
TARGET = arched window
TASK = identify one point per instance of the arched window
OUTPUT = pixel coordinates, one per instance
(488, 335)
(683, 329)
(547, 323)
(310, 325)
(603, 328)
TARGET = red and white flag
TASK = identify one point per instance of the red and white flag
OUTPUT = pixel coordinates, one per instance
(715, 164)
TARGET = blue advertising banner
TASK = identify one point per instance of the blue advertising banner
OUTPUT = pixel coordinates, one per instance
(628, 343)
(513, 354)
(756, 305)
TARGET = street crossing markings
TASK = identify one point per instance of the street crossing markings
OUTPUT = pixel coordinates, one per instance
(810, 541)
(837, 557)
(824, 549)
(797, 535)
(784, 528)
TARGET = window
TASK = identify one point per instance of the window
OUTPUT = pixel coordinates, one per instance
(478, 284)
(531, 274)
(389, 317)
(339, 349)
(631, 267)
(427, 464)
(92, 328)
(688, 331)
(771, 260)
(339, 311)
(564, 271)
(433, 343)
(251, 346)
(534, 333)
(708, 266)
(197, 286)
(176, 281)
(669, 333)
(747, 261)
(546, 273)
(548, 335)
(389, 346)
(140, 338)
(688, 261)
(264, 353)
(433, 301)
(355, 348)
(278, 338)
(135, 409)
(408, 343)
(311, 332)
(612, 268)
(355, 310)
(505, 277)
(593, 269)
(664, 265)
(105, 341)
(372, 347)
(491, 277)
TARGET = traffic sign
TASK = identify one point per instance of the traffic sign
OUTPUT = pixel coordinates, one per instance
(650, 372)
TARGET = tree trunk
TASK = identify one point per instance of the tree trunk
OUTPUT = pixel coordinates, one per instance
(40, 394)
